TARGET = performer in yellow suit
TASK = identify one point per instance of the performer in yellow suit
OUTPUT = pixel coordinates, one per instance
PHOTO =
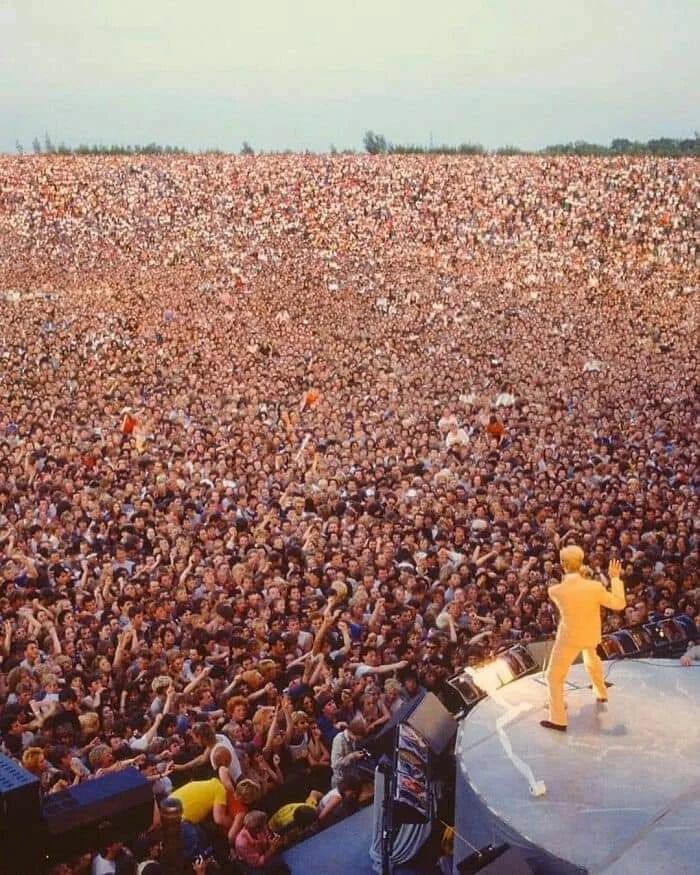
(579, 601)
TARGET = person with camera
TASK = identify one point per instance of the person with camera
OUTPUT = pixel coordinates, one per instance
(256, 847)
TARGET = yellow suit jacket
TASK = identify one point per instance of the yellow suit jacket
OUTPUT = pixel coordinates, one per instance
(579, 601)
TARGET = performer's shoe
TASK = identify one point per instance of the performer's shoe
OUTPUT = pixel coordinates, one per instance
(549, 725)
(602, 701)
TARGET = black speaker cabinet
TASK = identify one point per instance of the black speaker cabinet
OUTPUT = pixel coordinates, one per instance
(434, 722)
(20, 818)
(72, 817)
(383, 742)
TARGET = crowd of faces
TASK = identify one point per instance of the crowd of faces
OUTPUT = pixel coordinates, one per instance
(285, 440)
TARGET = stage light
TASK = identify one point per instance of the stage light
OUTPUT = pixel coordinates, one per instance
(519, 661)
(505, 668)
(489, 676)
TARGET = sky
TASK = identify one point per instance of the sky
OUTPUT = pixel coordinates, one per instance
(305, 74)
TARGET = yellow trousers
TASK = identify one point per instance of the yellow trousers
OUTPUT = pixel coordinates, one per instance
(561, 660)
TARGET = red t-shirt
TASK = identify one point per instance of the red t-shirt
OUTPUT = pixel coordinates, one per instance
(129, 424)
(235, 806)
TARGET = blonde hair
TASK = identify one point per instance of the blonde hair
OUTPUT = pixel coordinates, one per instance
(248, 791)
(252, 679)
(47, 677)
(266, 665)
(63, 662)
(263, 718)
(571, 557)
(162, 682)
(32, 758)
(96, 754)
(15, 676)
(340, 589)
(89, 723)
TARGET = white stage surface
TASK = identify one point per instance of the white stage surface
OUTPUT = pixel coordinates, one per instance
(622, 785)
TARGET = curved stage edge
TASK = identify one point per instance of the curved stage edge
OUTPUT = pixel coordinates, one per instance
(622, 785)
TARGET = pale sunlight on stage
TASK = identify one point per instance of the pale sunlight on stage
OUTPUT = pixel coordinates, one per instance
(619, 793)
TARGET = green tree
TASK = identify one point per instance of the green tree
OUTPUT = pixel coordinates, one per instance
(375, 144)
(247, 149)
(470, 149)
(509, 150)
(621, 144)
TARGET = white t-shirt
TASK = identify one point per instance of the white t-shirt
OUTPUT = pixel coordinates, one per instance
(447, 423)
(235, 767)
(140, 744)
(100, 866)
(299, 748)
(456, 436)
(305, 640)
(324, 801)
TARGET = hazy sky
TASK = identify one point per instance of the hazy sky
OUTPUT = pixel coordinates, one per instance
(306, 73)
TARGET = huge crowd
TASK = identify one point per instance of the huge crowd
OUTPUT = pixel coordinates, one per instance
(285, 441)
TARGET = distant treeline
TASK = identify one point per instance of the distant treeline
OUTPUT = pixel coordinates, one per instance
(377, 144)
(48, 147)
(664, 146)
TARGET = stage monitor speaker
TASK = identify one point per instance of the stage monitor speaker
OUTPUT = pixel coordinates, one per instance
(20, 818)
(382, 743)
(519, 662)
(626, 642)
(541, 651)
(498, 860)
(670, 635)
(687, 623)
(73, 817)
(434, 722)
(461, 694)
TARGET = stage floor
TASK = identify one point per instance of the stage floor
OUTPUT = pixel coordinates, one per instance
(622, 785)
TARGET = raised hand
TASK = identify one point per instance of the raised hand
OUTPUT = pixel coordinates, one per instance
(614, 568)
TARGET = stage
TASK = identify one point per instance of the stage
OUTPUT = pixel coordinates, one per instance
(622, 785)
(343, 849)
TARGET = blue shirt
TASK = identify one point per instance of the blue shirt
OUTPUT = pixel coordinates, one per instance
(328, 729)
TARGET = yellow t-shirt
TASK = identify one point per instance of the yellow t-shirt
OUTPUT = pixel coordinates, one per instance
(198, 798)
(283, 818)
